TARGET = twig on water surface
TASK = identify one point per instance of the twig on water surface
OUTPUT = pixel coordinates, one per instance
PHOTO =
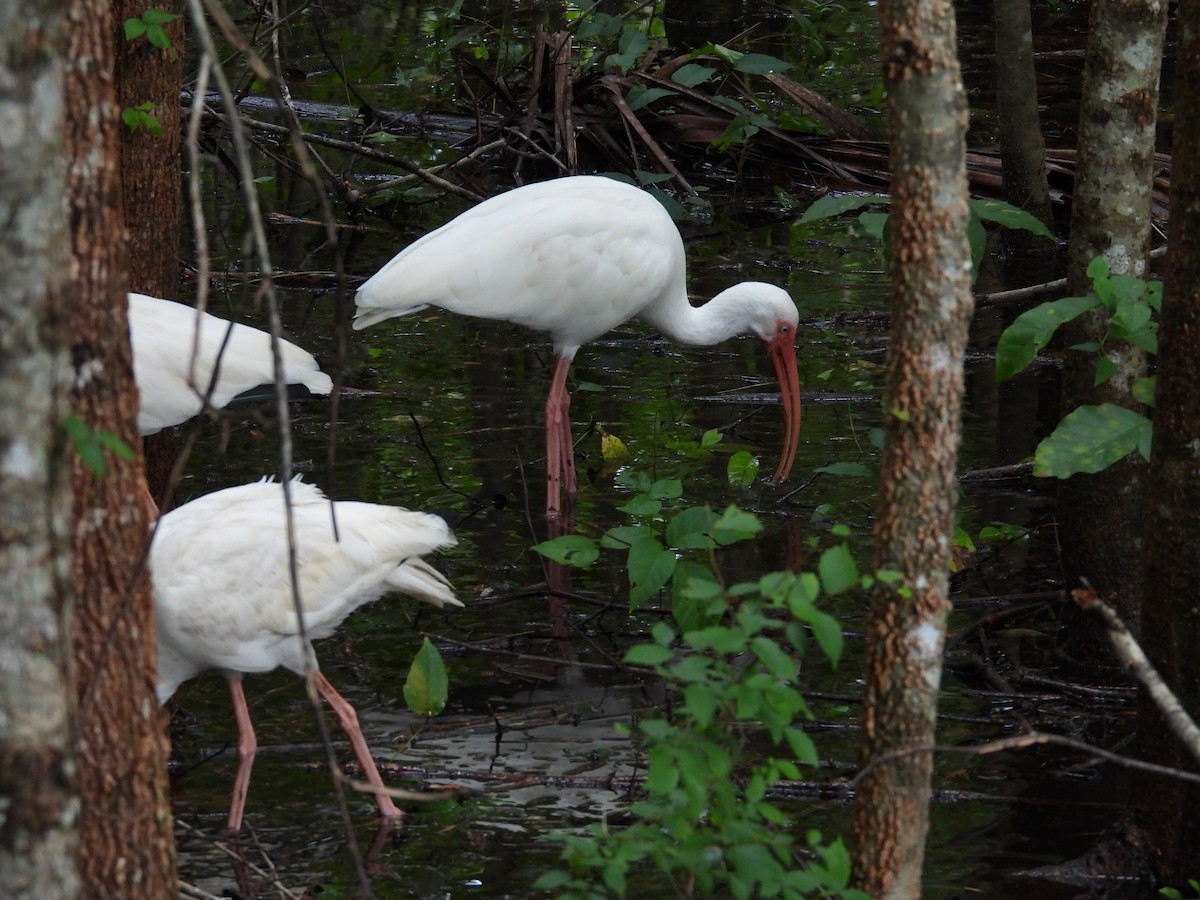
(1134, 659)
(551, 660)
(437, 469)
(1020, 742)
(240, 858)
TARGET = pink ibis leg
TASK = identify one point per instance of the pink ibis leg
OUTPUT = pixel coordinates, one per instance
(560, 452)
(348, 719)
(247, 746)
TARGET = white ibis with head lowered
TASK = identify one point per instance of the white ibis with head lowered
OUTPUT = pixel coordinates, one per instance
(576, 257)
(223, 593)
(165, 333)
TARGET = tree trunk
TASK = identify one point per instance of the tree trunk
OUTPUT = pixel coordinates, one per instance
(931, 309)
(125, 823)
(39, 802)
(150, 182)
(1100, 515)
(150, 162)
(1022, 147)
(1171, 623)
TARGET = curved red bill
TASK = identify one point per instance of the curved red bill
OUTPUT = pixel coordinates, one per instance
(782, 350)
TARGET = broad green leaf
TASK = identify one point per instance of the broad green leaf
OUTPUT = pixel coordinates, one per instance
(570, 550)
(650, 568)
(742, 469)
(711, 438)
(760, 64)
(735, 525)
(640, 95)
(648, 655)
(836, 204)
(701, 703)
(837, 569)
(689, 529)
(1143, 390)
(828, 632)
(154, 16)
(666, 489)
(1010, 217)
(1033, 329)
(1105, 369)
(693, 74)
(779, 664)
(621, 537)
(134, 28)
(426, 688)
(874, 224)
(802, 747)
(641, 505)
(1090, 439)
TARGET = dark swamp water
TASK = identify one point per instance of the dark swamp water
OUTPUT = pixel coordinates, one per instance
(450, 420)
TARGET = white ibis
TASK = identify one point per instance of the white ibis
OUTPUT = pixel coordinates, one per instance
(223, 594)
(576, 257)
(172, 389)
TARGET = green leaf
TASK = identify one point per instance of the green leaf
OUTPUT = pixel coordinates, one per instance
(1143, 390)
(134, 28)
(760, 64)
(693, 74)
(650, 568)
(641, 505)
(1090, 439)
(771, 655)
(570, 550)
(837, 569)
(836, 204)
(874, 224)
(648, 655)
(689, 529)
(828, 632)
(154, 16)
(734, 525)
(742, 469)
(1105, 369)
(666, 489)
(426, 689)
(1010, 217)
(1033, 329)
(640, 95)
(711, 438)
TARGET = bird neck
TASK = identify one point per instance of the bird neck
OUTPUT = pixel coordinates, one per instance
(724, 316)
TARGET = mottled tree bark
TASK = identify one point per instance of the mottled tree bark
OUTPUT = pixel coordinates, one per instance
(150, 182)
(1100, 515)
(39, 802)
(1171, 617)
(931, 309)
(1022, 147)
(125, 825)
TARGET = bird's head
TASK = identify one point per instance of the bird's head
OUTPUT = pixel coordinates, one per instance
(773, 317)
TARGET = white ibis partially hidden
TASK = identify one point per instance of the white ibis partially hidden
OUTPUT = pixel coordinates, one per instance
(574, 258)
(172, 389)
(223, 594)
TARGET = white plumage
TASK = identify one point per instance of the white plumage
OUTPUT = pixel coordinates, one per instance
(172, 390)
(223, 595)
(576, 257)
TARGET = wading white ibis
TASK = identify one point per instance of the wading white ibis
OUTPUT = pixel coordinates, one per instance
(576, 257)
(223, 594)
(172, 390)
